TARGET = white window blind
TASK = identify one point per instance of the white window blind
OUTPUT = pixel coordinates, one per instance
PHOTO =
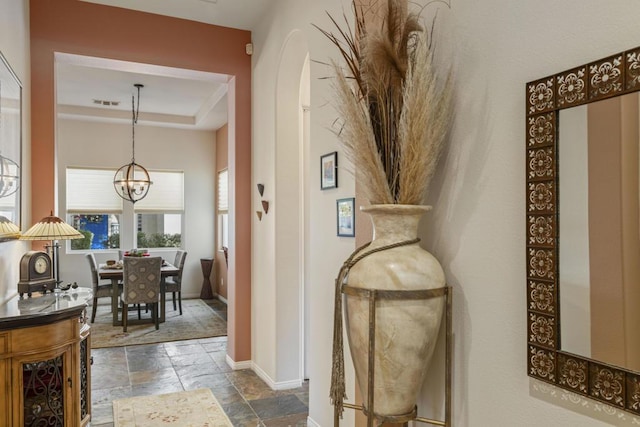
(165, 195)
(223, 190)
(91, 191)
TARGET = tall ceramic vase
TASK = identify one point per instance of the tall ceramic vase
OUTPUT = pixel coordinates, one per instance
(405, 330)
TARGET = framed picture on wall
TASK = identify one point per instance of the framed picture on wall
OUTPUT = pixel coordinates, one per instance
(346, 217)
(329, 171)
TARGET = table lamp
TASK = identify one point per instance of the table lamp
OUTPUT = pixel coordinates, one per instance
(8, 230)
(52, 228)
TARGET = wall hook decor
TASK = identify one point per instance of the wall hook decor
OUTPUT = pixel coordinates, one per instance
(265, 206)
(261, 189)
(259, 213)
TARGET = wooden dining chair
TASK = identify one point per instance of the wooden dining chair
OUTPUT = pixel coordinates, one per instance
(141, 285)
(100, 290)
(173, 284)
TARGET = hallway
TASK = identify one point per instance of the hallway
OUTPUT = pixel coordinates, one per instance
(139, 370)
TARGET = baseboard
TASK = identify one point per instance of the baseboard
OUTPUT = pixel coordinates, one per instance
(221, 298)
(311, 423)
(187, 296)
(245, 364)
(283, 385)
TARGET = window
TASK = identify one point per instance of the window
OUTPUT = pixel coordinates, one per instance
(223, 208)
(94, 209)
(159, 230)
(159, 215)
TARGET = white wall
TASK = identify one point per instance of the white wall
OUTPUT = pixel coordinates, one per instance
(14, 45)
(327, 251)
(575, 301)
(477, 227)
(93, 144)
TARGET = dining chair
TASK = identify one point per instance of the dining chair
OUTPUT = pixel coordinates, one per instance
(100, 290)
(173, 284)
(141, 285)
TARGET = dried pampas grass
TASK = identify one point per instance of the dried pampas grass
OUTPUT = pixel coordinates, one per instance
(395, 113)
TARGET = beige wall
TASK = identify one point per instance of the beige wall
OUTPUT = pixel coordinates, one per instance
(155, 149)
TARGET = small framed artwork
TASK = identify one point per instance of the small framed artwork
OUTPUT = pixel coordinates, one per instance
(329, 171)
(345, 209)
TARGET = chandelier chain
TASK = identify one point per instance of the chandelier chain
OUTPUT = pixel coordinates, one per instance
(135, 112)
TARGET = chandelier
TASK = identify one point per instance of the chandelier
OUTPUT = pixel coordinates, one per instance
(132, 181)
(9, 176)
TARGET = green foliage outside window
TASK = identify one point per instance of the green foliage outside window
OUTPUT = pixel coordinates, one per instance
(84, 243)
(113, 241)
(159, 240)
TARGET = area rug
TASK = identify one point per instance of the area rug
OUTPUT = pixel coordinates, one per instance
(195, 408)
(198, 320)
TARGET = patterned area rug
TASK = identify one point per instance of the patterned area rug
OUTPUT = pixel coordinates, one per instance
(195, 408)
(198, 320)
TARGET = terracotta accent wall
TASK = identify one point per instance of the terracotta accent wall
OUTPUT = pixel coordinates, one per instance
(222, 162)
(613, 230)
(81, 28)
(630, 227)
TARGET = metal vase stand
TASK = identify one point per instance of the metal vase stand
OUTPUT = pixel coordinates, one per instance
(376, 294)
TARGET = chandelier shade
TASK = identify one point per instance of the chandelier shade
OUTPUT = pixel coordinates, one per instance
(132, 181)
(9, 176)
(8, 230)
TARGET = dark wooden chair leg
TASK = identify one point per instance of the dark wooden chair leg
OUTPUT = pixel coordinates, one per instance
(139, 317)
(156, 315)
(174, 301)
(93, 309)
(125, 317)
(180, 301)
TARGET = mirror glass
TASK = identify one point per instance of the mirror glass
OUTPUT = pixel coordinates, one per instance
(599, 230)
(10, 144)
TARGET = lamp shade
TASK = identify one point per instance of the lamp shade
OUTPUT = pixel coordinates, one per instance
(51, 228)
(8, 229)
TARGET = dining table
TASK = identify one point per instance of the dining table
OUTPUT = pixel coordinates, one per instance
(115, 273)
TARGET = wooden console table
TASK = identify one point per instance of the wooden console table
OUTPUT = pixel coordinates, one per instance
(45, 360)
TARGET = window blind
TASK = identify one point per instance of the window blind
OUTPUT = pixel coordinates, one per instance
(165, 195)
(91, 191)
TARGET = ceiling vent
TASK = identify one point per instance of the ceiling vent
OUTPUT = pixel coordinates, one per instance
(106, 103)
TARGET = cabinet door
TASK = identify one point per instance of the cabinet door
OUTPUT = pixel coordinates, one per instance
(42, 389)
(85, 380)
(5, 393)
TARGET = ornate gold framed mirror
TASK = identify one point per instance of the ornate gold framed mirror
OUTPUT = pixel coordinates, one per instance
(583, 249)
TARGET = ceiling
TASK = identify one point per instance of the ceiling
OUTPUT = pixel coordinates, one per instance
(101, 90)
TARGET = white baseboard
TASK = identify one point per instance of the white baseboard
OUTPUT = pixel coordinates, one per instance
(311, 423)
(221, 298)
(245, 364)
(283, 385)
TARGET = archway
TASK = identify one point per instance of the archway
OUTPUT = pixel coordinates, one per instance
(292, 92)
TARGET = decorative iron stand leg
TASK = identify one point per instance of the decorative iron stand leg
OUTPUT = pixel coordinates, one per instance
(373, 295)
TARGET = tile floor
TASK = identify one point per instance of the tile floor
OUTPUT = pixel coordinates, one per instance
(138, 370)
